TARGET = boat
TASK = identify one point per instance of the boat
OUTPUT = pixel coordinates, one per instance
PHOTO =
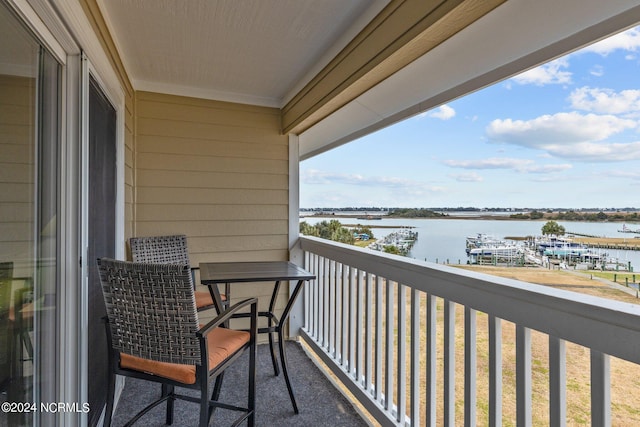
(626, 229)
(403, 240)
(486, 249)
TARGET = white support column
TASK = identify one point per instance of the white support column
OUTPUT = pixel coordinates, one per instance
(296, 318)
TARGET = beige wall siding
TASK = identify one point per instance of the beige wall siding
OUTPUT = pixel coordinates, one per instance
(17, 163)
(217, 172)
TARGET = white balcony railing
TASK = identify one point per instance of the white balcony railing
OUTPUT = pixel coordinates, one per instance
(389, 328)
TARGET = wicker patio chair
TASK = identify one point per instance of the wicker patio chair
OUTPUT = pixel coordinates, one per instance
(172, 250)
(153, 334)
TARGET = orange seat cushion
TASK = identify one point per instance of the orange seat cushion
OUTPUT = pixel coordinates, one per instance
(203, 298)
(27, 312)
(222, 343)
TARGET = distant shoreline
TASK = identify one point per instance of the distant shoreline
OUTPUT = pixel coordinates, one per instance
(546, 217)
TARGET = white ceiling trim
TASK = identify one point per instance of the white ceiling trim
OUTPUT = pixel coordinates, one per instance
(445, 73)
(198, 92)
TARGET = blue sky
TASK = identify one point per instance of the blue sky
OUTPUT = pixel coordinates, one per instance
(565, 134)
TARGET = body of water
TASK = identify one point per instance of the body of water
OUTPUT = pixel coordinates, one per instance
(442, 240)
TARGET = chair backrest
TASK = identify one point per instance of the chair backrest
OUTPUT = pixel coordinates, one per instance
(160, 249)
(151, 310)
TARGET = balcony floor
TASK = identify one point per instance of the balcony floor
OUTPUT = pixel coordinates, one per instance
(320, 403)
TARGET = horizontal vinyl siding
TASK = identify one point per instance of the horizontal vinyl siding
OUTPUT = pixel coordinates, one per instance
(217, 172)
(17, 168)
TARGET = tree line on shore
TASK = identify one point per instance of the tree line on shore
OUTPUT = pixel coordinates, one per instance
(579, 216)
(334, 230)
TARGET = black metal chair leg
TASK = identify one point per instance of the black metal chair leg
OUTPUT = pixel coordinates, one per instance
(111, 390)
(283, 360)
(167, 390)
(215, 395)
(276, 370)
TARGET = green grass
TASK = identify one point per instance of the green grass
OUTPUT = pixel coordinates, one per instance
(619, 277)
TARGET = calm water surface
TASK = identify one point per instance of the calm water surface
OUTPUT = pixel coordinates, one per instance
(442, 240)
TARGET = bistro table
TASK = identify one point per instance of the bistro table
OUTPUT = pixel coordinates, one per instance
(214, 273)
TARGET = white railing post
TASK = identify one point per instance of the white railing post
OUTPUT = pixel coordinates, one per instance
(523, 376)
(388, 345)
(368, 333)
(432, 360)
(401, 356)
(415, 358)
(379, 343)
(600, 389)
(557, 383)
(470, 366)
(449, 363)
(495, 371)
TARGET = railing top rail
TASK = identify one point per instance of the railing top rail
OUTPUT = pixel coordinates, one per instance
(608, 326)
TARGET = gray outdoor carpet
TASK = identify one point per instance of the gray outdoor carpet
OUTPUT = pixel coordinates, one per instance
(319, 402)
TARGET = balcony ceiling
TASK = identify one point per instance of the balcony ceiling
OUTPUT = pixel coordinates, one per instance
(251, 51)
(263, 52)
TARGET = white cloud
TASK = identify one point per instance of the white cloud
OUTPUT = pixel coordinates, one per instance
(568, 135)
(597, 71)
(596, 152)
(444, 112)
(553, 72)
(632, 175)
(491, 163)
(627, 40)
(467, 177)
(605, 101)
(518, 165)
(313, 176)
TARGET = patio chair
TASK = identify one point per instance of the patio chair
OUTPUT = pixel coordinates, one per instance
(172, 250)
(153, 334)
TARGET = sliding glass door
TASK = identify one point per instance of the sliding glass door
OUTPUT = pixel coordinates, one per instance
(30, 117)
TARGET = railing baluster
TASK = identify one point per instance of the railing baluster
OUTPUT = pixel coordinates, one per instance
(495, 371)
(401, 358)
(379, 328)
(359, 327)
(415, 358)
(368, 333)
(449, 363)
(432, 360)
(316, 299)
(600, 389)
(331, 291)
(388, 346)
(344, 361)
(337, 312)
(326, 304)
(523, 376)
(470, 366)
(352, 321)
(557, 382)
